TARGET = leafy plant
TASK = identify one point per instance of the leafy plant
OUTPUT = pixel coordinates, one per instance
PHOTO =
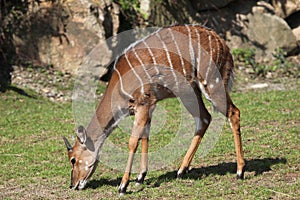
(280, 62)
(132, 12)
(246, 56)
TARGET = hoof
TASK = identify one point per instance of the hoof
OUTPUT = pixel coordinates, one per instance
(180, 172)
(140, 179)
(122, 189)
(240, 175)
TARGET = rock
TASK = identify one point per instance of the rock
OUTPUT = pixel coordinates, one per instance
(263, 7)
(257, 26)
(63, 34)
(268, 32)
(296, 32)
(45, 90)
(258, 85)
(41, 82)
(145, 8)
(285, 8)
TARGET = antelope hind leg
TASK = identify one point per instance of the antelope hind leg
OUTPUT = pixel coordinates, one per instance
(233, 114)
(202, 120)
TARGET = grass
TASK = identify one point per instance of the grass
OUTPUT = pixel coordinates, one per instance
(35, 166)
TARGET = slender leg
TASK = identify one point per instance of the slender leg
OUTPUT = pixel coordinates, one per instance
(144, 162)
(202, 119)
(142, 118)
(145, 143)
(234, 118)
(133, 144)
(192, 150)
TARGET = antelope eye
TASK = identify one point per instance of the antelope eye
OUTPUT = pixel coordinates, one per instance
(73, 161)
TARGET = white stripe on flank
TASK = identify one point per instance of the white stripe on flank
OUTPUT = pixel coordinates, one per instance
(191, 49)
(210, 56)
(155, 64)
(121, 84)
(138, 77)
(199, 51)
(179, 52)
(169, 58)
(142, 64)
(152, 57)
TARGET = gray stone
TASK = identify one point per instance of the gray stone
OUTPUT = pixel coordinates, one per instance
(285, 8)
(269, 32)
(63, 34)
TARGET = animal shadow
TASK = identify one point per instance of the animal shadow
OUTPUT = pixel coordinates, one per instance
(94, 184)
(258, 166)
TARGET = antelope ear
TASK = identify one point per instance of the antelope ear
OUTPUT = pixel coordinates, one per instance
(81, 134)
(69, 147)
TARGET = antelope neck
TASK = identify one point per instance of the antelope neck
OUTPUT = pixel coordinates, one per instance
(102, 124)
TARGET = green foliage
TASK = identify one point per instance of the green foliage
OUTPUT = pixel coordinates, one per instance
(128, 4)
(283, 64)
(247, 57)
(132, 12)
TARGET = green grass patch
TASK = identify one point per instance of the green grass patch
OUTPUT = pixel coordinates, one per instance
(35, 165)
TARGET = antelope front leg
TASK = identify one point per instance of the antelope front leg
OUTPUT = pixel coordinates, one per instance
(133, 144)
(144, 162)
(142, 118)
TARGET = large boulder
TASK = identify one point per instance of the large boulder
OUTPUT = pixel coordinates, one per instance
(63, 34)
(266, 31)
(270, 32)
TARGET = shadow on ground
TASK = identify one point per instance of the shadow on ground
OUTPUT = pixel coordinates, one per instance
(19, 91)
(103, 181)
(258, 166)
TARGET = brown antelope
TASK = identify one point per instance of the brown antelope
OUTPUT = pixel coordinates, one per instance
(182, 61)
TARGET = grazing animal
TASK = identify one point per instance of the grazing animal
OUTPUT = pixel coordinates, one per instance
(185, 61)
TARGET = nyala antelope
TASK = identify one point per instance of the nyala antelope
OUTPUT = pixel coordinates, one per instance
(184, 61)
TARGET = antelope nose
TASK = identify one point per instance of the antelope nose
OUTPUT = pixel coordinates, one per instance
(71, 186)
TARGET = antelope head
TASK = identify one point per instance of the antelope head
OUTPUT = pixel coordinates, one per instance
(82, 161)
